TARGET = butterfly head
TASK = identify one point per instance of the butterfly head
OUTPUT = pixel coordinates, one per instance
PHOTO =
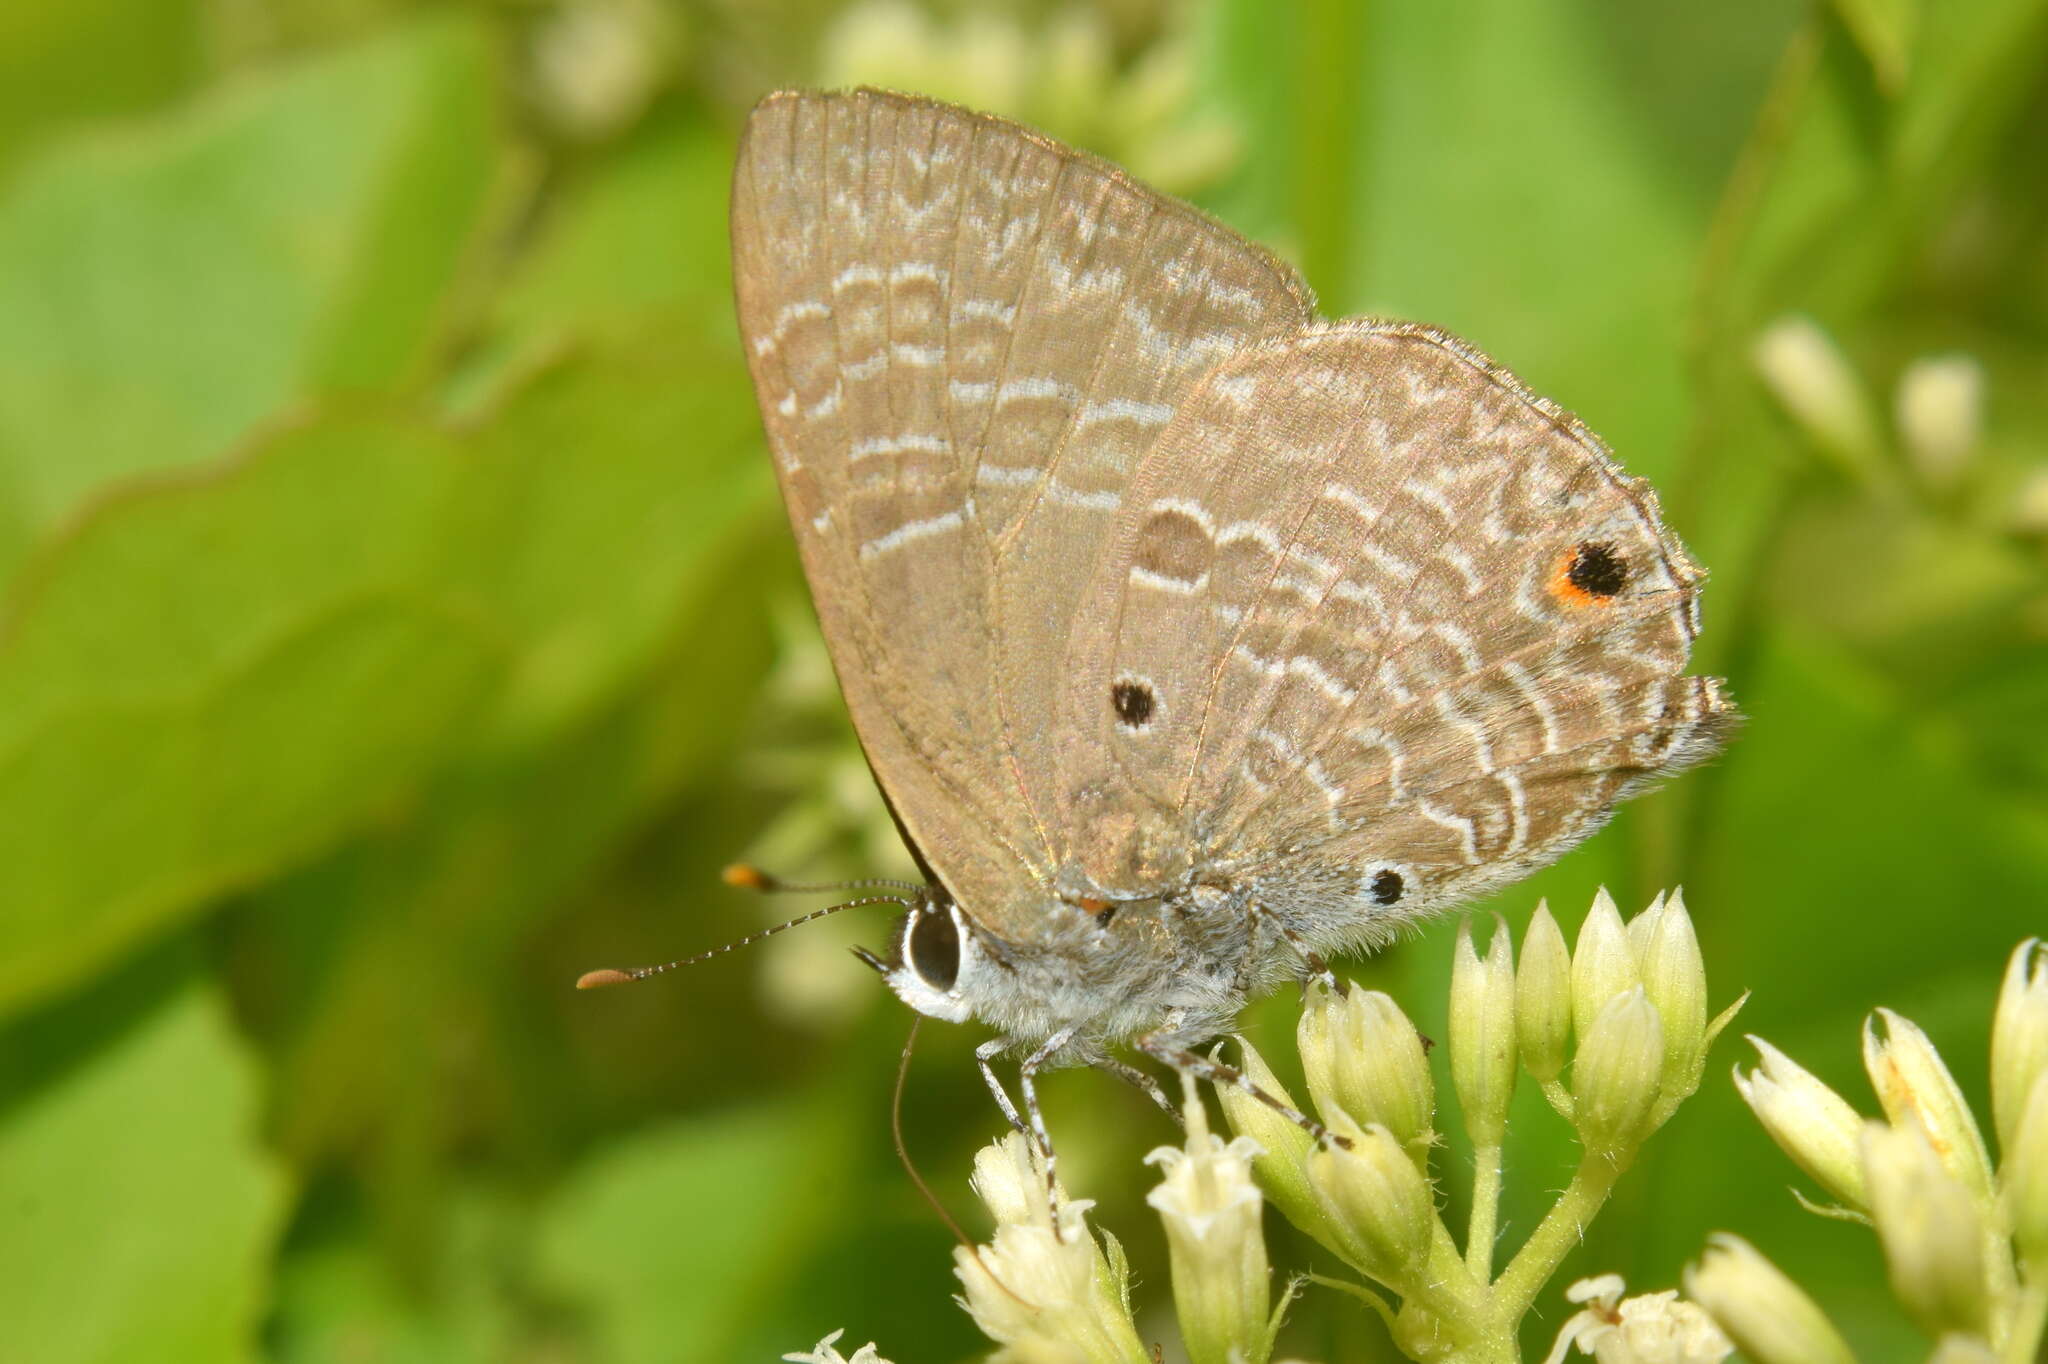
(936, 959)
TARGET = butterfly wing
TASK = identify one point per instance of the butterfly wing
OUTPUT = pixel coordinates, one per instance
(963, 338)
(1394, 613)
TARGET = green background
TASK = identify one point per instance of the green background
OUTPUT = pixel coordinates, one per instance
(395, 621)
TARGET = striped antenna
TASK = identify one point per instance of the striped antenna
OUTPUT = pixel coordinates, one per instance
(609, 975)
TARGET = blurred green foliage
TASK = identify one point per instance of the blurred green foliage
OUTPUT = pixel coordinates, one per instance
(389, 577)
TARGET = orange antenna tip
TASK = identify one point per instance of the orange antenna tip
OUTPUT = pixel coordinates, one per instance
(591, 980)
(745, 876)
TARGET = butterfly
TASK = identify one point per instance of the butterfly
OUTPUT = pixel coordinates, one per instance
(1190, 637)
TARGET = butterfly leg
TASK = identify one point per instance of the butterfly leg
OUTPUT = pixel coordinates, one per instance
(984, 1056)
(1144, 1083)
(1314, 970)
(1219, 1074)
(1027, 1085)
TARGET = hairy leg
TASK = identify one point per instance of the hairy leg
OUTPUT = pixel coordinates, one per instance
(1143, 1082)
(1219, 1074)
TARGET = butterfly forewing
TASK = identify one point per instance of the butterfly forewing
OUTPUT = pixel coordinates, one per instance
(964, 338)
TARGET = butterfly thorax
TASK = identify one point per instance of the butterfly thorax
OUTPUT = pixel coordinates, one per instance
(1177, 966)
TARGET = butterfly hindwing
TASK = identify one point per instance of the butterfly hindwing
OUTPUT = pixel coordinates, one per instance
(1388, 605)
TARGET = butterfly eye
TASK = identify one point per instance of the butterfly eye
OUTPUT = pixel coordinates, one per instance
(935, 948)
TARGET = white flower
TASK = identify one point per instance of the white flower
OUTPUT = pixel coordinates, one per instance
(1603, 964)
(1221, 1284)
(1652, 1328)
(1046, 1292)
(1377, 1203)
(1543, 997)
(1766, 1313)
(597, 63)
(823, 1353)
(1363, 1059)
(1914, 1086)
(1812, 378)
(2019, 1039)
(1931, 1227)
(1483, 1033)
(1617, 1076)
(1940, 408)
(1810, 1122)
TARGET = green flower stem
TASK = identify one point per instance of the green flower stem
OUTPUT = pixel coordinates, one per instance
(1485, 1212)
(1448, 1291)
(1380, 1306)
(2001, 1277)
(1561, 1229)
(1560, 1098)
(2029, 1325)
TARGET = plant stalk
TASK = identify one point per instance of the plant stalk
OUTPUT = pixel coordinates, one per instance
(1485, 1212)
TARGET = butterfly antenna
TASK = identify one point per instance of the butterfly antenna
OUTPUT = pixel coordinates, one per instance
(591, 980)
(747, 876)
(909, 1168)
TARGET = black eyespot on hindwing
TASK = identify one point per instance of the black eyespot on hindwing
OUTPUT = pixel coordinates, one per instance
(1387, 887)
(934, 948)
(1133, 702)
(1597, 570)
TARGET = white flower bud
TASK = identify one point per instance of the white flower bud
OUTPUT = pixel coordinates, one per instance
(1931, 1228)
(2025, 1180)
(1767, 1315)
(1914, 1085)
(1954, 1349)
(1675, 979)
(1616, 1077)
(2030, 504)
(1808, 373)
(1210, 1207)
(2019, 1038)
(1810, 1122)
(1483, 1033)
(597, 63)
(1543, 997)
(1034, 1289)
(1941, 415)
(1379, 1204)
(1283, 1145)
(1603, 964)
(1363, 1059)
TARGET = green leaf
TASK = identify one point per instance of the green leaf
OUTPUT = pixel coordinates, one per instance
(595, 497)
(163, 291)
(639, 233)
(91, 59)
(217, 675)
(229, 671)
(1884, 29)
(138, 1206)
(670, 1241)
(340, 1300)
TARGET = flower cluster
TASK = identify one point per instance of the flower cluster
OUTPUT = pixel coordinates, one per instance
(1965, 1241)
(1635, 997)
(1062, 77)
(1614, 1030)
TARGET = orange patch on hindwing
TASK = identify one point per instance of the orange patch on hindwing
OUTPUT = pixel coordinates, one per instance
(1588, 574)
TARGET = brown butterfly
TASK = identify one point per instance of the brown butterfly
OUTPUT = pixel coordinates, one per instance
(1190, 636)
